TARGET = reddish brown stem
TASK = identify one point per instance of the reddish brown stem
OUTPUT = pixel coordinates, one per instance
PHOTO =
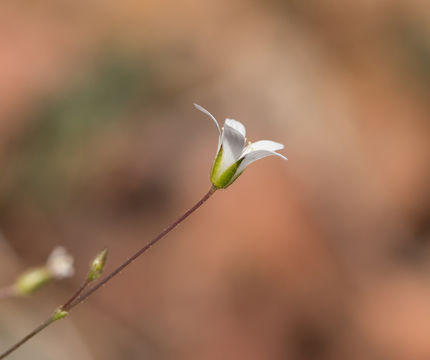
(78, 297)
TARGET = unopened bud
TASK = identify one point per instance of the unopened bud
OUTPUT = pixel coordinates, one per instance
(32, 280)
(97, 265)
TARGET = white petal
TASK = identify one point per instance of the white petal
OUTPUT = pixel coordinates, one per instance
(237, 125)
(203, 110)
(256, 155)
(263, 145)
(60, 263)
(233, 140)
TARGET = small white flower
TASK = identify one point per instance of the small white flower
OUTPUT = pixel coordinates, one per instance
(233, 156)
(60, 263)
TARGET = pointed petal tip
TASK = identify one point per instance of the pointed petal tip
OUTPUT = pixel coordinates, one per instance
(204, 111)
(270, 145)
(252, 156)
(263, 145)
(279, 155)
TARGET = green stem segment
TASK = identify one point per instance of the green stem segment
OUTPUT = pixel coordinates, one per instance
(77, 298)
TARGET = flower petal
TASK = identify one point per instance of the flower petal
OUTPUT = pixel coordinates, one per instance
(256, 155)
(60, 263)
(262, 145)
(203, 110)
(237, 125)
(233, 140)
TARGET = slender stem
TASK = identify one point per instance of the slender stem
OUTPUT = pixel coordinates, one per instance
(77, 298)
(47, 322)
(142, 250)
(37, 330)
(78, 292)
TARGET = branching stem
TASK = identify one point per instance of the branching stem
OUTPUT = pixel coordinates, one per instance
(79, 296)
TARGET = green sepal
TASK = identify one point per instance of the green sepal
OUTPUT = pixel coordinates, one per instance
(228, 176)
(216, 166)
(59, 314)
(97, 265)
(233, 179)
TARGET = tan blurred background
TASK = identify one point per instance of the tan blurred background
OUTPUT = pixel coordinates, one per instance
(326, 256)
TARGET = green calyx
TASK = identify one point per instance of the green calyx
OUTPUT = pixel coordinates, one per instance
(228, 176)
(59, 314)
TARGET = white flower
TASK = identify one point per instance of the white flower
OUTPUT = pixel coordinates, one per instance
(233, 156)
(60, 263)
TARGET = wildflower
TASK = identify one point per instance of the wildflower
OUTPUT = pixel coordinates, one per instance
(60, 263)
(233, 157)
(58, 266)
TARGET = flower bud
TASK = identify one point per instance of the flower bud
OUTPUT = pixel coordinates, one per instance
(32, 280)
(58, 266)
(97, 265)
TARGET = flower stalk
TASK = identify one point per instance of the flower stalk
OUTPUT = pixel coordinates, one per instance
(97, 265)
(232, 158)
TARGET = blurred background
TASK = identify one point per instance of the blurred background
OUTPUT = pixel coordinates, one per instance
(326, 256)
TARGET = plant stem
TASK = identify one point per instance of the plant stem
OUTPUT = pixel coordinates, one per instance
(142, 250)
(77, 298)
(37, 330)
(67, 304)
